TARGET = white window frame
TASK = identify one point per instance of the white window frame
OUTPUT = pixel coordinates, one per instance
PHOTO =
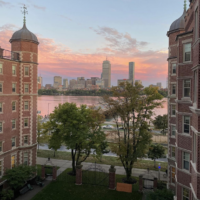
(173, 110)
(184, 197)
(13, 141)
(1, 123)
(1, 68)
(173, 135)
(14, 70)
(25, 71)
(26, 143)
(187, 52)
(1, 86)
(174, 152)
(1, 107)
(13, 106)
(184, 159)
(25, 156)
(14, 84)
(13, 122)
(194, 148)
(26, 105)
(172, 89)
(186, 124)
(1, 147)
(174, 64)
(27, 122)
(26, 88)
(186, 87)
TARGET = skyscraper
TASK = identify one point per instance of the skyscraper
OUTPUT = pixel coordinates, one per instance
(159, 85)
(106, 73)
(57, 81)
(65, 83)
(132, 71)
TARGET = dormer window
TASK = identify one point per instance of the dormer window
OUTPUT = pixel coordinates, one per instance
(187, 52)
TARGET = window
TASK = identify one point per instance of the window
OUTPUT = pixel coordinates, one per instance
(1, 167)
(1, 68)
(173, 175)
(1, 127)
(1, 107)
(26, 88)
(1, 147)
(26, 158)
(26, 105)
(13, 142)
(26, 122)
(26, 69)
(13, 87)
(13, 70)
(25, 139)
(173, 89)
(186, 193)
(13, 105)
(173, 110)
(1, 87)
(186, 126)
(194, 148)
(13, 124)
(173, 130)
(12, 161)
(196, 24)
(187, 52)
(173, 152)
(186, 88)
(195, 86)
(186, 161)
(173, 68)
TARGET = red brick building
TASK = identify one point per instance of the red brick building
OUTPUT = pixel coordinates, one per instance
(184, 104)
(18, 101)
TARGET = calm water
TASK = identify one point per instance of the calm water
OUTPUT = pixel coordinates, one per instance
(46, 104)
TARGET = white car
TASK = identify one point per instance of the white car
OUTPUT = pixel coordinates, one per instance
(107, 127)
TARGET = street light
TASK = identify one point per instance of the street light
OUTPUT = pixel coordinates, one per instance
(159, 167)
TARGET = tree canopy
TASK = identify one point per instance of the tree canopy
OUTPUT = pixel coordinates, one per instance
(79, 128)
(161, 122)
(131, 111)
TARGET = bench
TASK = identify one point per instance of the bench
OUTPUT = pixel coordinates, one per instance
(24, 190)
(123, 187)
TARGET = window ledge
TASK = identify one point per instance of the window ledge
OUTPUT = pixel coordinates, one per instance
(186, 99)
(173, 74)
(14, 111)
(185, 134)
(195, 110)
(187, 62)
(14, 147)
(173, 115)
(186, 171)
(26, 127)
(14, 129)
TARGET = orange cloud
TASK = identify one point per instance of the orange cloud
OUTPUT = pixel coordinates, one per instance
(57, 59)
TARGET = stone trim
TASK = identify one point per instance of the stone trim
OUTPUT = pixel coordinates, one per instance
(195, 131)
(193, 192)
(194, 110)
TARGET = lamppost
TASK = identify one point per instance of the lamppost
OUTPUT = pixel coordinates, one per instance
(159, 167)
(48, 108)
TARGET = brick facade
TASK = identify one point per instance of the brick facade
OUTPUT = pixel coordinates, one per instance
(187, 134)
(25, 106)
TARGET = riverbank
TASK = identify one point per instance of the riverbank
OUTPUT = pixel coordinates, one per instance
(107, 160)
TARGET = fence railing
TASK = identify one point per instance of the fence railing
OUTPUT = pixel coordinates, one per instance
(10, 55)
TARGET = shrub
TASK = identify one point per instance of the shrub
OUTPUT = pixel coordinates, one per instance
(160, 195)
(7, 195)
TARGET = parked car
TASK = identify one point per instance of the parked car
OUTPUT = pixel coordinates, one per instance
(107, 127)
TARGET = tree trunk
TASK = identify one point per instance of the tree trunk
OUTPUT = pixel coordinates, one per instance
(128, 173)
(73, 162)
(154, 163)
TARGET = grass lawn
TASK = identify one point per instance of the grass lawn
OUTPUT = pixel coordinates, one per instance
(108, 160)
(61, 190)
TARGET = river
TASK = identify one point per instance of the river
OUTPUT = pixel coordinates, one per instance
(46, 104)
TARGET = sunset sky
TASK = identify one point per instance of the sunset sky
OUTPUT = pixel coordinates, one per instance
(76, 35)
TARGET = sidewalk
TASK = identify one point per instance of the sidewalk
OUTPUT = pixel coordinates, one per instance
(64, 164)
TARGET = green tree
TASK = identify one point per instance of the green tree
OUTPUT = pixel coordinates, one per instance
(18, 176)
(132, 111)
(80, 129)
(42, 136)
(161, 122)
(155, 152)
(6, 194)
(160, 195)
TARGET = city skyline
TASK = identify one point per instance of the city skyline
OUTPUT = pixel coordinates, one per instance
(62, 53)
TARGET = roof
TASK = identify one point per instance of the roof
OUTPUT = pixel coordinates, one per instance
(178, 24)
(24, 34)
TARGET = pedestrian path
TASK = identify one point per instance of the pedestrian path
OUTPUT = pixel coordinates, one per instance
(64, 164)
